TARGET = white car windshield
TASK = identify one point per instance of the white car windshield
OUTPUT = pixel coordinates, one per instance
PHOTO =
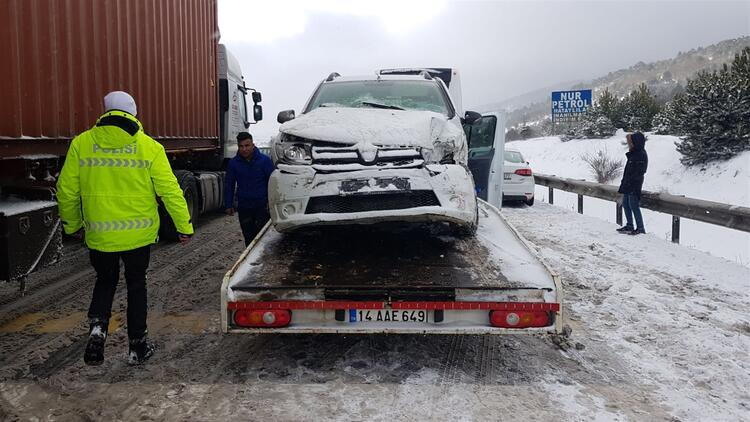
(395, 95)
(513, 157)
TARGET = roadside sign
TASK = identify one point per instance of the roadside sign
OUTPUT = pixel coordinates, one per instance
(569, 105)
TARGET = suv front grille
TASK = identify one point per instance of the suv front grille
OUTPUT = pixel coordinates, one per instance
(337, 204)
(326, 157)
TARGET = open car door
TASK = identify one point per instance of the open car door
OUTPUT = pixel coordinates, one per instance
(486, 139)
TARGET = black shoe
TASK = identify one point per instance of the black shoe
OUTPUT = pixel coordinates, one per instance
(625, 229)
(139, 350)
(637, 231)
(94, 354)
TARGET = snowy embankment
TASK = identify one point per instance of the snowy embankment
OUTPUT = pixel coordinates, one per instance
(726, 182)
(673, 319)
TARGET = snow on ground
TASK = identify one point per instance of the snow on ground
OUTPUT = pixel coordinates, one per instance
(676, 316)
(13, 206)
(661, 332)
(725, 182)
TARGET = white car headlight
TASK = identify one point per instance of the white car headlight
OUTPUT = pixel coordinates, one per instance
(441, 152)
(294, 150)
(296, 153)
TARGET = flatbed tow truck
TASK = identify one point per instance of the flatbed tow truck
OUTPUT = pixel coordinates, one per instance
(407, 279)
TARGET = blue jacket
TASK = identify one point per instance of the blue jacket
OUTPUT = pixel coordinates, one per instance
(251, 179)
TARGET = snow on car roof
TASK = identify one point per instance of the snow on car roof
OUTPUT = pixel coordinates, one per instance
(376, 77)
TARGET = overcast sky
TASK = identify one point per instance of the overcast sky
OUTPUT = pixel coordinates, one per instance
(502, 48)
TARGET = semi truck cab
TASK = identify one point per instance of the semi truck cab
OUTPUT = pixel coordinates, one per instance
(235, 116)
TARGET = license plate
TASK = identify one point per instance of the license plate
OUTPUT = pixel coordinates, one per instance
(506, 176)
(387, 315)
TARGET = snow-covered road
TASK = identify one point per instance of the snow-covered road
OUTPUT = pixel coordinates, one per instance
(660, 332)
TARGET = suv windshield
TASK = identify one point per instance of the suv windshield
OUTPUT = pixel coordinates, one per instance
(405, 95)
(513, 157)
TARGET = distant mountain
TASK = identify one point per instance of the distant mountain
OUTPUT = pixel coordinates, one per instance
(664, 78)
(522, 100)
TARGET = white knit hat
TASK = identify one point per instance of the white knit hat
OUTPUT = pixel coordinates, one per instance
(120, 100)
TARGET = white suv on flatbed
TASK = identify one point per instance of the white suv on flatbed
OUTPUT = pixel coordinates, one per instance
(372, 149)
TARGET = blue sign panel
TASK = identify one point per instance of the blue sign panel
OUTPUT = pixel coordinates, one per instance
(569, 105)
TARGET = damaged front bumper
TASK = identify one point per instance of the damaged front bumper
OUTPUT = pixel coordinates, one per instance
(301, 196)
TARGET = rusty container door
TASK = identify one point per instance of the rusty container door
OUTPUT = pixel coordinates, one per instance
(60, 57)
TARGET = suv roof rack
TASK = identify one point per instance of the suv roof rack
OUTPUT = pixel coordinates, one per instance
(332, 76)
(444, 73)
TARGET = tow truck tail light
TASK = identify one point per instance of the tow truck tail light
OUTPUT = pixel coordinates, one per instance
(262, 317)
(523, 172)
(520, 319)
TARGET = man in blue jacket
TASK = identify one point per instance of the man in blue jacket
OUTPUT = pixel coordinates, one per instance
(249, 172)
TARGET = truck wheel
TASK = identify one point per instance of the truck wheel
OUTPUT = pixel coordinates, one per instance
(529, 202)
(189, 186)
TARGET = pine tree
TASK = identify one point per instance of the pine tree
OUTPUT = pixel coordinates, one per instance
(546, 128)
(609, 105)
(593, 124)
(661, 122)
(639, 109)
(526, 132)
(603, 127)
(669, 120)
(717, 121)
(740, 99)
(512, 135)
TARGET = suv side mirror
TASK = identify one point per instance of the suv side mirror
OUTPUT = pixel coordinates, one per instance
(471, 117)
(257, 112)
(285, 116)
(256, 97)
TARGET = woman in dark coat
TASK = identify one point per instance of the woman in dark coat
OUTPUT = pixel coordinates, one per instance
(632, 182)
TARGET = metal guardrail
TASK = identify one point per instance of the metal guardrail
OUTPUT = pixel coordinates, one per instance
(725, 215)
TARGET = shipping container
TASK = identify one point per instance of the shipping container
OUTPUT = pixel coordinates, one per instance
(60, 57)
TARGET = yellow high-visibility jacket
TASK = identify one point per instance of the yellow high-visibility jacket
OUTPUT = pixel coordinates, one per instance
(109, 183)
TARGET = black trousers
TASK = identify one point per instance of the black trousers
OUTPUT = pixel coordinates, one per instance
(251, 221)
(107, 266)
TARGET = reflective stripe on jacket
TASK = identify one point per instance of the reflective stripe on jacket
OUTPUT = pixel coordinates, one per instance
(108, 186)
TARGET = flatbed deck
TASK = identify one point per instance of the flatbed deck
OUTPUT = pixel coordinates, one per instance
(392, 264)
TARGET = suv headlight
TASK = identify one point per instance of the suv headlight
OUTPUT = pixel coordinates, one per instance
(294, 150)
(441, 152)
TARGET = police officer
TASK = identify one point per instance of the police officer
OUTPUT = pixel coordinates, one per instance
(107, 193)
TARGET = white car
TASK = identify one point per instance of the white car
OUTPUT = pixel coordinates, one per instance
(372, 149)
(518, 179)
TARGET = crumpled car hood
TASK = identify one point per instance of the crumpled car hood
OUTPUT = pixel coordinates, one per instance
(376, 126)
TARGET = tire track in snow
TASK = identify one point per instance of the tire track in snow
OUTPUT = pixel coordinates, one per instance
(485, 366)
(449, 373)
(68, 293)
(215, 245)
(41, 280)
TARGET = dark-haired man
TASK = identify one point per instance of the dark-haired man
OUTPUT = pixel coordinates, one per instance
(248, 172)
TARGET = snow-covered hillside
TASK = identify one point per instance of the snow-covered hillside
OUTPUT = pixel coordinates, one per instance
(725, 182)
